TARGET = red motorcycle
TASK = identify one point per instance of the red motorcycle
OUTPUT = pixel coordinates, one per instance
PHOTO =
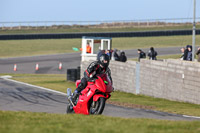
(92, 99)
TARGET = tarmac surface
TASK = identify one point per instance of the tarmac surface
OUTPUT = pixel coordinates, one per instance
(16, 96)
(49, 64)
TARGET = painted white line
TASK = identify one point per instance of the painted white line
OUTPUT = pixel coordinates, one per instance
(6, 76)
(42, 88)
(191, 116)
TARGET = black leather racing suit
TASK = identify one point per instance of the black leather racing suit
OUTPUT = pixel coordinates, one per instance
(90, 74)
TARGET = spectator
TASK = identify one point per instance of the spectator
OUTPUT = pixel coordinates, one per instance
(141, 54)
(152, 54)
(189, 53)
(198, 54)
(116, 56)
(88, 48)
(111, 53)
(123, 57)
(183, 53)
(100, 52)
(186, 52)
(108, 53)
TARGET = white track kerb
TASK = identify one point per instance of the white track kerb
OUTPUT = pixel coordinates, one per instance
(7, 77)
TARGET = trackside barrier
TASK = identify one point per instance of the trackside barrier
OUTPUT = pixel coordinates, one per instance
(73, 74)
(170, 79)
(100, 34)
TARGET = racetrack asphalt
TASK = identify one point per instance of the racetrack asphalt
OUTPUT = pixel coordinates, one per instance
(16, 96)
(49, 64)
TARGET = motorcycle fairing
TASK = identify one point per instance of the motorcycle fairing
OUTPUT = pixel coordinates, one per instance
(82, 104)
(97, 96)
(100, 84)
(78, 82)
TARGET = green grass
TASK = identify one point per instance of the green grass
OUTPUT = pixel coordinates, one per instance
(157, 103)
(18, 122)
(86, 29)
(13, 48)
(16, 48)
(161, 57)
(176, 56)
(59, 83)
(53, 81)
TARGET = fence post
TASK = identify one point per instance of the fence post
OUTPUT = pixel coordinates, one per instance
(137, 78)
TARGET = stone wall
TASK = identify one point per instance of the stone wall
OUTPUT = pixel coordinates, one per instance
(170, 79)
(123, 75)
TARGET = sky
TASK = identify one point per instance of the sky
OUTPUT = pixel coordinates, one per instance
(95, 10)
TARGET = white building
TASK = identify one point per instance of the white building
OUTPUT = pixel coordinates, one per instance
(96, 44)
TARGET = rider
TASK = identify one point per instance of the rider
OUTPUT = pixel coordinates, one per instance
(96, 67)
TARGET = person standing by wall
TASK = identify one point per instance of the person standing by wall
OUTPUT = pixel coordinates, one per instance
(152, 54)
(123, 57)
(198, 54)
(183, 53)
(141, 54)
(108, 53)
(186, 52)
(115, 54)
(100, 52)
(189, 53)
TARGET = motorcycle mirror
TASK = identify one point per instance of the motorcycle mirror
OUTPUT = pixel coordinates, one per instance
(69, 92)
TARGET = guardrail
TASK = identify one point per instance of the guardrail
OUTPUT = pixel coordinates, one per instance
(102, 34)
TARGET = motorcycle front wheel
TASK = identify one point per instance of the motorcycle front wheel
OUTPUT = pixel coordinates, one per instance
(69, 109)
(98, 106)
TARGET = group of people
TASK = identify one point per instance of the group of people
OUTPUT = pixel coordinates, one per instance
(187, 53)
(118, 56)
(152, 54)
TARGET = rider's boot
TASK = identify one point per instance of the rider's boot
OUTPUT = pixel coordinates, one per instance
(75, 95)
(77, 92)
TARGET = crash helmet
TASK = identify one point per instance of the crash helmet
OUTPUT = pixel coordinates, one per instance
(104, 60)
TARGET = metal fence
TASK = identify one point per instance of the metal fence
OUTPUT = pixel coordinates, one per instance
(97, 24)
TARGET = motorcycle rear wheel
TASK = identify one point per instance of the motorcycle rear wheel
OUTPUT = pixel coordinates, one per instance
(97, 107)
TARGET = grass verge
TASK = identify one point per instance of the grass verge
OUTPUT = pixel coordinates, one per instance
(18, 122)
(161, 57)
(15, 48)
(59, 83)
(96, 29)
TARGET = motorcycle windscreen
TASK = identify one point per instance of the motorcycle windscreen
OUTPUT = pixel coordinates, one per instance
(108, 83)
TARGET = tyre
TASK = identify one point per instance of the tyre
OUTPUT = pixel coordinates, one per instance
(98, 106)
(69, 109)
